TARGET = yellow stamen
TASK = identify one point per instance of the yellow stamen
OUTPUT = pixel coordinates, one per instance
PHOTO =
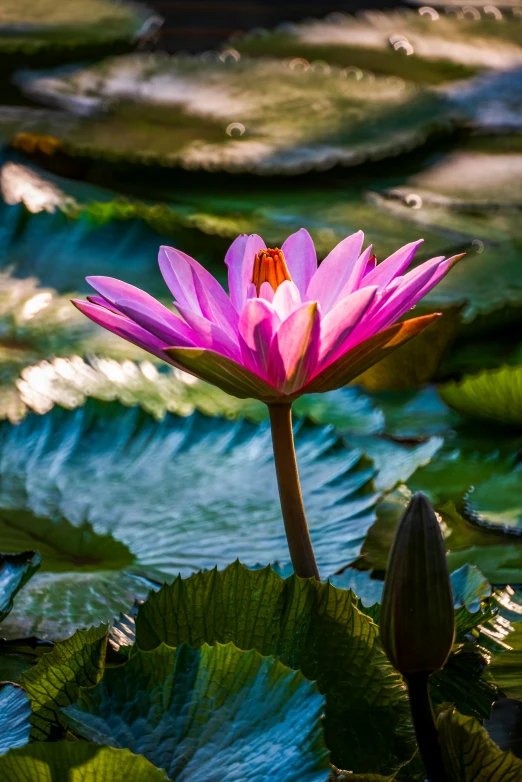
(270, 266)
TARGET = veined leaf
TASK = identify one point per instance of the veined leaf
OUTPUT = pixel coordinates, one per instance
(470, 755)
(494, 395)
(76, 761)
(306, 625)
(228, 713)
(54, 681)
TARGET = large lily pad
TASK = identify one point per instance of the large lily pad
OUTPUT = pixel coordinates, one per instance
(230, 714)
(126, 474)
(15, 711)
(70, 28)
(246, 115)
(77, 761)
(424, 46)
(307, 625)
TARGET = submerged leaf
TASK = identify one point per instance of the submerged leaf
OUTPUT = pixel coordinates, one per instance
(15, 571)
(226, 710)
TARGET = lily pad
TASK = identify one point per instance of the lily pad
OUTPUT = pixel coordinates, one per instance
(230, 714)
(148, 476)
(77, 761)
(15, 571)
(470, 755)
(72, 28)
(491, 101)
(15, 711)
(491, 395)
(244, 115)
(306, 625)
(425, 46)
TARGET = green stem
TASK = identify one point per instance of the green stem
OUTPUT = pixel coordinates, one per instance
(424, 724)
(296, 527)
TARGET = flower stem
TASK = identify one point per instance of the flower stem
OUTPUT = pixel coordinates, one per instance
(424, 724)
(296, 527)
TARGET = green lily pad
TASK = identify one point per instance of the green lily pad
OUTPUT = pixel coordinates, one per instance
(487, 281)
(15, 711)
(77, 761)
(491, 395)
(506, 666)
(424, 46)
(306, 625)
(470, 588)
(470, 755)
(73, 28)
(226, 709)
(55, 681)
(15, 571)
(245, 115)
(148, 475)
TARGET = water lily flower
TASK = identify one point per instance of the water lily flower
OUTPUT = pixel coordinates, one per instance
(287, 328)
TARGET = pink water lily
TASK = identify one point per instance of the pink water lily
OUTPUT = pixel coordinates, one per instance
(287, 327)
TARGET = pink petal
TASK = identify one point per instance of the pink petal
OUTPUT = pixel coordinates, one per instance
(334, 272)
(209, 335)
(240, 262)
(229, 375)
(393, 266)
(123, 327)
(112, 289)
(337, 326)
(286, 299)
(101, 302)
(266, 292)
(257, 325)
(356, 277)
(171, 332)
(295, 348)
(301, 258)
(193, 286)
(370, 266)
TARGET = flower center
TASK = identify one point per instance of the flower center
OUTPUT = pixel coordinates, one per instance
(270, 266)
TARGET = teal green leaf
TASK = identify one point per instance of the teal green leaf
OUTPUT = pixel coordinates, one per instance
(76, 761)
(414, 414)
(15, 571)
(494, 395)
(470, 755)
(125, 474)
(49, 28)
(306, 625)
(54, 681)
(470, 588)
(86, 578)
(226, 709)
(358, 119)
(409, 44)
(506, 665)
(15, 711)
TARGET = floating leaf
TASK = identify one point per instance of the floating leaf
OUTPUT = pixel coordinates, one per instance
(15, 711)
(470, 588)
(306, 625)
(227, 709)
(54, 682)
(15, 571)
(148, 476)
(492, 101)
(76, 761)
(45, 28)
(470, 755)
(261, 121)
(491, 395)
(424, 46)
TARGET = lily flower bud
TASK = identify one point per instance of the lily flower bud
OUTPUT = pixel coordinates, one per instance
(417, 621)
